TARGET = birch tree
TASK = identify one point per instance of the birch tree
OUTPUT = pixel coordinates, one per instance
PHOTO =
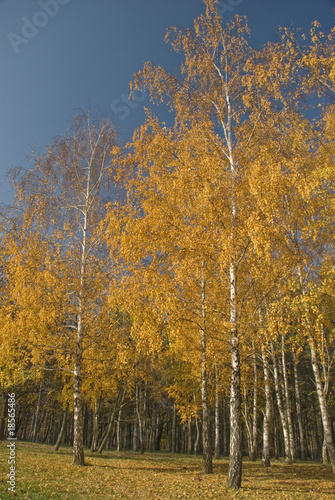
(62, 199)
(220, 104)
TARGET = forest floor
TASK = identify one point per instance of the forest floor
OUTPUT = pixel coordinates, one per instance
(42, 473)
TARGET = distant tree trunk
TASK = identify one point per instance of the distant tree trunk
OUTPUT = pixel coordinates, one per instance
(217, 415)
(140, 400)
(86, 436)
(275, 434)
(118, 431)
(189, 436)
(70, 432)
(288, 401)
(37, 413)
(174, 429)
(197, 437)
(110, 427)
(3, 415)
(62, 430)
(283, 417)
(128, 441)
(154, 428)
(267, 414)
(107, 433)
(48, 425)
(298, 408)
(160, 428)
(183, 438)
(25, 425)
(225, 430)
(135, 434)
(316, 430)
(311, 450)
(95, 428)
(206, 433)
(178, 428)
(251, 424)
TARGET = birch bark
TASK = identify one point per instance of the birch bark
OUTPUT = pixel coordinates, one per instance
(326, 422)
(78, 422)
(298, 409)
(206, 435)
(267, 414)
(327, 428)
(283, 416)
(288, 401)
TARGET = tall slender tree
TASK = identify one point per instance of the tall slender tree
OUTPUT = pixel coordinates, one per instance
(63, 200)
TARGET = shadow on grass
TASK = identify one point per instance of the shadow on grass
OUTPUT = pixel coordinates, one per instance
(158, 470)
(150, 457)
(282, 490)
(308, 472)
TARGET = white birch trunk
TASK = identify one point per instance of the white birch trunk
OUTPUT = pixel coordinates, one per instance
(327, 428)
(283, 417)
(254, 409)
(78, 422)
(267, 414)
(288, 402)
(320, 389)
(189, 436)
(298, 408)
(234, 477)
(206, 435)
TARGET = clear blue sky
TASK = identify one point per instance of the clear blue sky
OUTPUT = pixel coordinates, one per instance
(57, 55)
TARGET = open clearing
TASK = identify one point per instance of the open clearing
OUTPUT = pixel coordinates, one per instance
(43, 474)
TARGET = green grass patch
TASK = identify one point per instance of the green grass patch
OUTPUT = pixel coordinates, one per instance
(44, 474)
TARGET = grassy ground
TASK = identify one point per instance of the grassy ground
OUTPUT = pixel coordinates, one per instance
(43, 474)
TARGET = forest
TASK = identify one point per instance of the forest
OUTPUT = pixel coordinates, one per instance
(177, 293)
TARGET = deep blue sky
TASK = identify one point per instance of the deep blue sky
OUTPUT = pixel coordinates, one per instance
(85, 52)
